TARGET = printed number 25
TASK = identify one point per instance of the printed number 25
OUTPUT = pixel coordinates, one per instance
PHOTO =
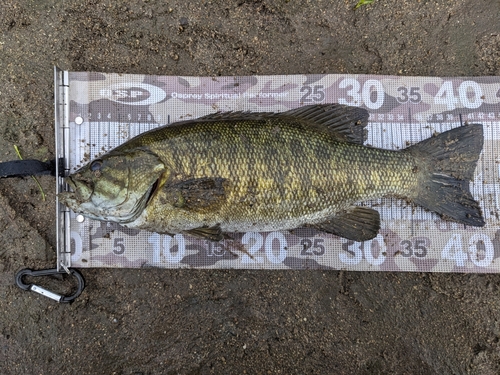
(311, 94)
(318, 247)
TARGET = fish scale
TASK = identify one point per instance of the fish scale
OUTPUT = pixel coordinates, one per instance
(286, 171)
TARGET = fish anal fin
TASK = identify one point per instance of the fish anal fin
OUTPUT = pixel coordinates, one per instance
(357, 224)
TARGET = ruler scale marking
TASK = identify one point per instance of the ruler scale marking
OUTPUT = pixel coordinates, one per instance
(411, 239)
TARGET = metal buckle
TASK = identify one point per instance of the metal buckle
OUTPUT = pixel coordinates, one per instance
(47, 293)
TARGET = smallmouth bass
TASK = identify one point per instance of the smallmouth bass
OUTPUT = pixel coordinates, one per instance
(242, 171)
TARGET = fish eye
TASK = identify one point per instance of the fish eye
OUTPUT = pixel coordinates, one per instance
(96, 165)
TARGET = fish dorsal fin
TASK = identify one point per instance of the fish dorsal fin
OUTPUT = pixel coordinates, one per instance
(341, 121)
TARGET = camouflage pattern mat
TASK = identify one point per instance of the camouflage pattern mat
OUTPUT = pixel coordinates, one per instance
(97, 111)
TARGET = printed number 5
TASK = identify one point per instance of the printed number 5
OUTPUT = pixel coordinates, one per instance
(119, 246)
(315, 93)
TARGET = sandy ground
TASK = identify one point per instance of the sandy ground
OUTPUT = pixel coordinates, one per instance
(226, 322)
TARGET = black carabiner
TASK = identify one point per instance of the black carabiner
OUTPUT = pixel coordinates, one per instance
(47, 293)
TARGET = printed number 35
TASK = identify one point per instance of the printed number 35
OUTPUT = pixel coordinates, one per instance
(413, 96)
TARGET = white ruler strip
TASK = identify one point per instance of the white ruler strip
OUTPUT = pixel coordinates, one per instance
(108, 109)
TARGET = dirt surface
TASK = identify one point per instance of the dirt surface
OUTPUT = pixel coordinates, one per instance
(226, 322)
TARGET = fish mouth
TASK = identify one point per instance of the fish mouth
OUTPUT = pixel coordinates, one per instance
(70, 183)
(69, 197)
(77, 194)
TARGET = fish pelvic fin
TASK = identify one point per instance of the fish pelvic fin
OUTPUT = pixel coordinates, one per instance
(209, 233)
(448, 161)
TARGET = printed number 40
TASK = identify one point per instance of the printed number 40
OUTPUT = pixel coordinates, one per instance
(469, 95)
(481, 250)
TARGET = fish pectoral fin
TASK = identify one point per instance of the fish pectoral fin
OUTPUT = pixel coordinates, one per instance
(197, 193)
(210, 233)
(358, 224)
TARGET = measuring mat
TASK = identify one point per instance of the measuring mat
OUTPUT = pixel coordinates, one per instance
(96, 112)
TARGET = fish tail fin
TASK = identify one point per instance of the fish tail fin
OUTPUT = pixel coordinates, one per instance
(448, 161)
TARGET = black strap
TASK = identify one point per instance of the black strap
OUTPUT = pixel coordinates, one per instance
(20, 168)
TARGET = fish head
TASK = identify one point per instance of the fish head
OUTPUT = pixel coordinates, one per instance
(115, 187)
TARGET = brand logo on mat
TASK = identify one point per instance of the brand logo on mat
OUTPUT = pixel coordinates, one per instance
(134, 94)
